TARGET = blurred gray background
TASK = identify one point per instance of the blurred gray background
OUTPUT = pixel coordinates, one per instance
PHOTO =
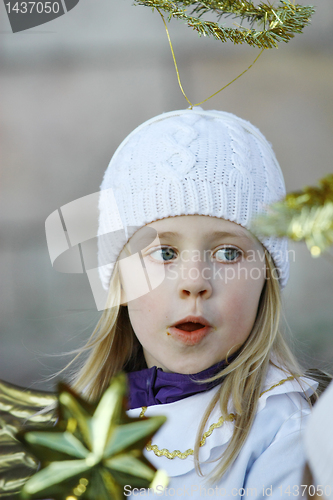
(72, 89)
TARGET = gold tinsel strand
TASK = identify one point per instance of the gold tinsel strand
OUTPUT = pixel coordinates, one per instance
(20, 408)
(279, 24)
(305, 215)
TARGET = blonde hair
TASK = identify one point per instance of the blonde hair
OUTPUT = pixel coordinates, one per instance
(113, 347)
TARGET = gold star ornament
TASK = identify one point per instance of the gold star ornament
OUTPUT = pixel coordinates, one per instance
(93, 451)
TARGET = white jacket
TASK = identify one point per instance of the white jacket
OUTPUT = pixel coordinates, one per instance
(270, 463)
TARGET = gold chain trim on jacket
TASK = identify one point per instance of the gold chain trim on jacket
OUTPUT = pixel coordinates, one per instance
(177, 453)
(277, 385)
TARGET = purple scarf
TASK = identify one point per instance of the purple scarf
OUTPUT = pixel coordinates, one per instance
(153, 386)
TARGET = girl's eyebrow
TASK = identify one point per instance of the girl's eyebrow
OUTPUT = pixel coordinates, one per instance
(166, 234)
(226, 234)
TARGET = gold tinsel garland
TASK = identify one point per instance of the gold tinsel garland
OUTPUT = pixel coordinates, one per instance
(303, 215)
(278, 24)
(20, 408)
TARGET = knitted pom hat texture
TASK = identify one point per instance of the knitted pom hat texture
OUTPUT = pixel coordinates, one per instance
(189, 162)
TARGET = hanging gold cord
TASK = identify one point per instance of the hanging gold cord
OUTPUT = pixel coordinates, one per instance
(178, 76)
(174, 60)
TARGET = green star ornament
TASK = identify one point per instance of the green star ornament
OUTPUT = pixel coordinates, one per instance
(93, 451)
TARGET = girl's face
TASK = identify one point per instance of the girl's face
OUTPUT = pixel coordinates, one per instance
(206, 305)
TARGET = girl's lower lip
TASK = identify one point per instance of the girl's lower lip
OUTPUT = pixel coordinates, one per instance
(189, 338)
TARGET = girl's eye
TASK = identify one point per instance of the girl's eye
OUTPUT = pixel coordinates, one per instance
(163, 254)
(228, 254)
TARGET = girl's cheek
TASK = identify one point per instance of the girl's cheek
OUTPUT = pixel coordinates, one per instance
(144, 311)
(242, 294)
(253, 274)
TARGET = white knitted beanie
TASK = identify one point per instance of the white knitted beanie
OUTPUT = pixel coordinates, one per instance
(188, 162)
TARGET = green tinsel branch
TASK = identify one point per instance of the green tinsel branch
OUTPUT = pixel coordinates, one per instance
(303, 215)
(279, 24)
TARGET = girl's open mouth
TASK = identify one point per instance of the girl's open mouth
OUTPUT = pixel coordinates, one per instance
(189, 333)
(190, 326)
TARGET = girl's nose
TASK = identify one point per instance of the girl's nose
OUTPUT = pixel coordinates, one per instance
(195, 280)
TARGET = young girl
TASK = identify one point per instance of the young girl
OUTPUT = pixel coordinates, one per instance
(194, 305)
